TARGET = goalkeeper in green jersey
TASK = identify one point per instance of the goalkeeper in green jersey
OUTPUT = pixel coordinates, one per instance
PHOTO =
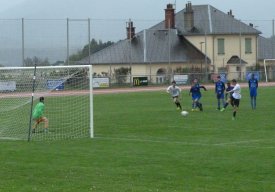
(37, 115)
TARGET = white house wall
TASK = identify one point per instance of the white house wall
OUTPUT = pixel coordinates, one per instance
(232, 47)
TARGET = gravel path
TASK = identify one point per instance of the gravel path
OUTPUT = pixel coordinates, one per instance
(159, 88)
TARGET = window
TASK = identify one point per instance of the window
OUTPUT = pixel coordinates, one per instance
(220, 46)
(248, 45)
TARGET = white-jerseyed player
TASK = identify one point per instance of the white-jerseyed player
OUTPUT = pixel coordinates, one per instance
(175, 93)
(236, 97)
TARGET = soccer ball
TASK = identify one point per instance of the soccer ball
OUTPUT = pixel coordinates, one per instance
(184, 113)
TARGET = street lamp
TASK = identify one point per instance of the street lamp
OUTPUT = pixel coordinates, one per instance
(202, 42)
(257, 46)
(130, 31)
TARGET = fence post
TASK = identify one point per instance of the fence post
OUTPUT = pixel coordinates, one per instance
(23, 42)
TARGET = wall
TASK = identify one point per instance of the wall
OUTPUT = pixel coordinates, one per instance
(232, 47)
(144, 69)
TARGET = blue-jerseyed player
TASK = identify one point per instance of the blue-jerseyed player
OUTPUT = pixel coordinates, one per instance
(253, 86)
(219, 90)
(228, 95)
(196, 95)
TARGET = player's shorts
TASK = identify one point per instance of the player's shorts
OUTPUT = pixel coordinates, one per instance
(253, 92)
(220, 96)
(235, 102)
(196, 97)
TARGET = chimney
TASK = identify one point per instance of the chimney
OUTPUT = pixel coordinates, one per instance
(130, 30)
(251, 24)
(230, 13)
(169, 17)
(188, 17)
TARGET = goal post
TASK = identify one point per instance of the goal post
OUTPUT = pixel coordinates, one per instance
(68, 93)
(265, 70)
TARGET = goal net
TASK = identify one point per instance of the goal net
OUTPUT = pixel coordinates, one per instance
(269, 69)
(68, 102)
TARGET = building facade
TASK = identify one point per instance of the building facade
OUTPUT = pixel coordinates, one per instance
(197, 39)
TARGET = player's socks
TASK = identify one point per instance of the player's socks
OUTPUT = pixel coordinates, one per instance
(223, 102)
(201, 107)
(178, 105)
(219, 105)
(226, 104)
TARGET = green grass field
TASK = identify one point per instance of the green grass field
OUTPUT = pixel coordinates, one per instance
(142, 143)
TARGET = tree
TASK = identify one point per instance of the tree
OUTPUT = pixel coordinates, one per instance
(94, 47)
(36, 60)
(121, 74)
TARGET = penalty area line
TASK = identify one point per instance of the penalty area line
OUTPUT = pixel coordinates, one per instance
(228, 144)
(147, 140)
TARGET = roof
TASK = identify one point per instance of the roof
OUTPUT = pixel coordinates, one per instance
(266, 50)
(153, 44)
(236, 60)
(209, 20)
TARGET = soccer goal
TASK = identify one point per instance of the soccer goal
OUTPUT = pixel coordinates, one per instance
(68, 102)
(268, 61)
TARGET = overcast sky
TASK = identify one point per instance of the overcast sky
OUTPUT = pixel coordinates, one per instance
(108, 20)
(243, 9)
(260, 13)
(6, 4)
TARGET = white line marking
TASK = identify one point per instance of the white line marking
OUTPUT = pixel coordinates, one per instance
(11, 138)
(208, 128)
(228, 144)
(240, 142)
